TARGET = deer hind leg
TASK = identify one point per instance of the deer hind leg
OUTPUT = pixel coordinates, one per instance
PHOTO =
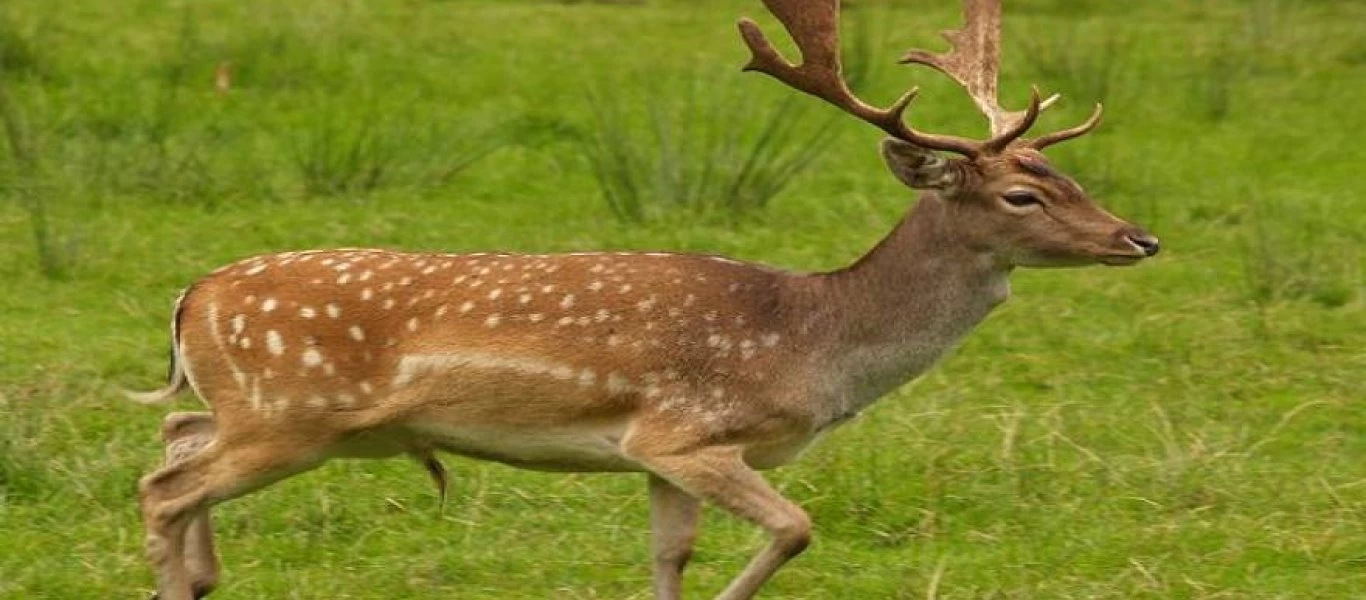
(719, 475)
(186, 433)
(673, 523)
(176, 498)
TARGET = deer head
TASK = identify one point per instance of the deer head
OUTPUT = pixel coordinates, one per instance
(1004, 196)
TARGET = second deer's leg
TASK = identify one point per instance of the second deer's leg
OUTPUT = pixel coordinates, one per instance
(719, 475)
(185, 434)
(174, 496)
(673, 525)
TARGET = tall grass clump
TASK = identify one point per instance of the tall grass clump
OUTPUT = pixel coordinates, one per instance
(702, 153)
(719, 147)
(1224, 66)
(24, 476)
(340, 150)
(19, 56)
(1069, 59)
(1297, 254)
(1214, 87)
(21, 179)
(337, 155)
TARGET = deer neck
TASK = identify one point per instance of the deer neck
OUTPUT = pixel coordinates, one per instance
(907, 302)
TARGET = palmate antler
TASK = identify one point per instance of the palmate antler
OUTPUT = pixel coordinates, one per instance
(973, 62)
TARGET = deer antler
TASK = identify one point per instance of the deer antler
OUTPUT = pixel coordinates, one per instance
(973, 62)
(814, 26)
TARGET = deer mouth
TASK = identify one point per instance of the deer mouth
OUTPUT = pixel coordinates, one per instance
(1121, 260)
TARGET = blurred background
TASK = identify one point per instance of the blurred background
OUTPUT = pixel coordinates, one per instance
(1190, 428)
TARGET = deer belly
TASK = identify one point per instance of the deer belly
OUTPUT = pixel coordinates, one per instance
(573, 448)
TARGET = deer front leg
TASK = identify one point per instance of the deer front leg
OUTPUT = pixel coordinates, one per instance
(673, 525)
(718, 474)
(185, 434)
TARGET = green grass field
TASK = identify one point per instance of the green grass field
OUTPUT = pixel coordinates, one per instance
(1190, 428)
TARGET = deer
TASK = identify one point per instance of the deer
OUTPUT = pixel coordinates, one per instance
(698, 371)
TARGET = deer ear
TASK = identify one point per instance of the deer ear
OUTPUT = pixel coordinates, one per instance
(918, 167)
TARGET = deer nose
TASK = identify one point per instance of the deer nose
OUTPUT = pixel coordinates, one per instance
(1145, 241)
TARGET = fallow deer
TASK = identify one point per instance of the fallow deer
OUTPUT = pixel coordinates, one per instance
(698, 371)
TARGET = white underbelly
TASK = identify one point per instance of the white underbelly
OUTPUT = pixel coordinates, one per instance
(575, 448)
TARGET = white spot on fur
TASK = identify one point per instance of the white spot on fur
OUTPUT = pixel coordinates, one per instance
(356, 333)
(268, 305)
(344, 279)
(616, 384)
(333, 310)
(311, 357)
(307, 312)
(274, 343)
(769, 340)
(467, 306)
(493, 320)
(239, 323)
(493, 295)
(256, 269)
(567, 302)
(412, 324)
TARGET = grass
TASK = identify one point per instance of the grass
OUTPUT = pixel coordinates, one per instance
(711, 145)
(1188, 429)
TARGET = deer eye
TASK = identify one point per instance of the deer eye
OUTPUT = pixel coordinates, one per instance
(1021, 198)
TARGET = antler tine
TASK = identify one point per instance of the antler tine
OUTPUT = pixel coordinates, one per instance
(1045, 141)
(974, 61)
(1026, 120)
(814, 26)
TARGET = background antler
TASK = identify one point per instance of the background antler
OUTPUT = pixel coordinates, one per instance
(974, 61)
(814, 26)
